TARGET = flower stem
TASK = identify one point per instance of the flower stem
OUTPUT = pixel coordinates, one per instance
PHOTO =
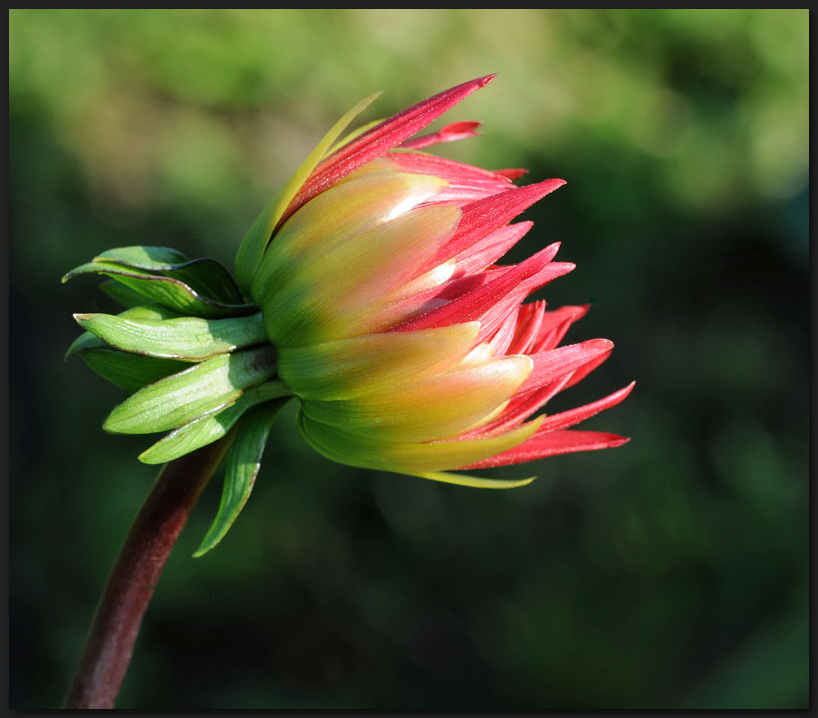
(135, 574)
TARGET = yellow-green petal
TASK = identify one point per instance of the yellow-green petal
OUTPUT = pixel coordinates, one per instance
(437, 407)
(476, 482)
(338, 216)
(406, 457)
(258, 236)
(336, 295)
(346, 368)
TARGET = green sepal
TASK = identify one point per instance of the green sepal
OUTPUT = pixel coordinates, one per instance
(155, 312)
(208, 277)
(130, 372)
(242, 465)
(255, 241)
(122, 295)
(191, 338)
(205, 276)
(144, 257)
(208, 429)
(84, 342)
(168, 291)
(201, 390)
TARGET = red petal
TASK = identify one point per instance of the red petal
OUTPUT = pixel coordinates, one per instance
(450, 133)
(554, 363)
(528, 327)
(505, 333)
(583, 371)
(466, 183)
(380, 139)
(519, 409)
(553, 443)
(511, 173)
(474, 304)
(485, 253)
(574, 416)
(554, 326)
(482, 217)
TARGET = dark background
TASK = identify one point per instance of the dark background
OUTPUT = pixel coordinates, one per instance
(672, 572)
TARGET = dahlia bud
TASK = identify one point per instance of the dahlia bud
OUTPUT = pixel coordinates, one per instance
(369, 290)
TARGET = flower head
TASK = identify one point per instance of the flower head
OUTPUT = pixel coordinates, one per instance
(410, 349)
(370, 290)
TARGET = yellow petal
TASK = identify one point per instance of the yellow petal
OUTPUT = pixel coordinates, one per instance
(477, 482)
(437, 407)
(347, 368)
(336, 295)
(406, 457)
(337, 216)
(258, 236)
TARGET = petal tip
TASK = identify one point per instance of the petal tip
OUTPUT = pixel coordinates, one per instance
(600, 345)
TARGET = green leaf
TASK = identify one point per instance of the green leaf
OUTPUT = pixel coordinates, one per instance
(130, 372)
(169, 292)
(143, 257)
(203, 389)
(84, 342)
(208, 429)
(243, 462)
(190, 338)
(87, 340)
(209, 278)
(122, 295)
(205, 276)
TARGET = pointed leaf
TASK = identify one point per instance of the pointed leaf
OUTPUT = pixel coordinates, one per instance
(86, 340)
(349, 136)
(203, 389)
(243, 462)
(130, 372)
(172, 293)
(206, 276)
(122, 295)
(190, 338)
(208, 429)
(209, 278)
(144, 257)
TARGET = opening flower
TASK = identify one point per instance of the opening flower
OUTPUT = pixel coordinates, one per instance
(370, 290)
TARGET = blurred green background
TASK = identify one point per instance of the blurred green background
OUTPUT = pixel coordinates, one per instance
(672, 572)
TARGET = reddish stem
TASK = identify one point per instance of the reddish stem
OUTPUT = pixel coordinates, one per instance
(135, 574)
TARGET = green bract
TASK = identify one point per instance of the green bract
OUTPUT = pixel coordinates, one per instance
(194, 358)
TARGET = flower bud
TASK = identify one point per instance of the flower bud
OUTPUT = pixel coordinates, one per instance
(408, 346)
(369, 289)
